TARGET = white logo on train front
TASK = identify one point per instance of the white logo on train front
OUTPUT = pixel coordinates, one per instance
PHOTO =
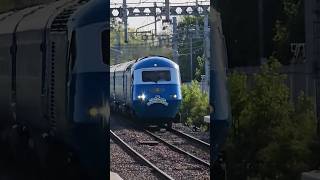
(157, 99)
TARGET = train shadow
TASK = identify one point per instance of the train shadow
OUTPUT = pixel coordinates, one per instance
(119, 121)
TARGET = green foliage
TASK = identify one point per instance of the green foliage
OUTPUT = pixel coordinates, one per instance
(281, 33)
(195, 104)
(238, 89)
(200, 69)
(291, 8)
(186, 23)
(135, 48)
(117, 29)
(272, 137)
(131, 53)
(288, 28)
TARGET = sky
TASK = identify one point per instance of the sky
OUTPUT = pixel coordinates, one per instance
(134, 22)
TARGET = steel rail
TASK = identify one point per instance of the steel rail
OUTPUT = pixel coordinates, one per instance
(177, 132)
(130, 149)
(203, 162)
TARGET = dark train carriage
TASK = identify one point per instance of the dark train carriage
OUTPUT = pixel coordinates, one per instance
(53, 79)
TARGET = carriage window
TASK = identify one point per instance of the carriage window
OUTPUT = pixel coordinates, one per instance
(104, 45)
(155, 76)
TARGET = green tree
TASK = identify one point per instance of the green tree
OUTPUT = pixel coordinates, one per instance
(195, 104)
(135, 48)
(273, 136)
(238, 91)
(185, 24)
(288, 28)
(200, 69)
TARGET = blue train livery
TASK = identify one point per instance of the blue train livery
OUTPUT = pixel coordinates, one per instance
(148, 88)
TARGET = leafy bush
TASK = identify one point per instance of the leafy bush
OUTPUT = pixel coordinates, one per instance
(272, 136)
(195, 105)
(238, 91)
(200, 68)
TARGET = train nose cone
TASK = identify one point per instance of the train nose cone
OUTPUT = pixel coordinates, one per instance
(157, 100)
(156, 107)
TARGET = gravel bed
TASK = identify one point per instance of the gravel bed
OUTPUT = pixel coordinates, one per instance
(204, 136)
(177, 165)
(128, 167)
(185, 144)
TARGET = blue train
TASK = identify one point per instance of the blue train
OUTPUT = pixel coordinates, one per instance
(149, 89)
(53, 95)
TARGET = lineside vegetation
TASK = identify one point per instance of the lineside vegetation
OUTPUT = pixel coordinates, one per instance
(271, 137)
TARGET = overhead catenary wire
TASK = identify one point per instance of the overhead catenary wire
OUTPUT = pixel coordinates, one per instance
(141, 3)
(165, 44)
(143, 45)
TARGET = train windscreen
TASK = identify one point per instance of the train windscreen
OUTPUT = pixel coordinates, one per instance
(155, 76)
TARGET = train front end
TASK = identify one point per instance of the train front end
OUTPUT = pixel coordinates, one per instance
(156, 96)
(88, 88)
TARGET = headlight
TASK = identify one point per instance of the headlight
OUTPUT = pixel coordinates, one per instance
(93, 112)
(142, 97)
(100, 111)
(174, 96)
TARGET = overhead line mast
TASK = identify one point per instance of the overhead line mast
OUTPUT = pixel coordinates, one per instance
(124, 12)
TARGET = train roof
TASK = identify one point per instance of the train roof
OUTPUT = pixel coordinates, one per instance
(9, 21)
(145, 62)
(121, 66)
(31, 18)
(94, 12)
(55, 15)
(154, 61)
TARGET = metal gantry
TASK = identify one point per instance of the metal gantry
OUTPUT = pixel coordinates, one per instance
(167, 11)
(159, 11)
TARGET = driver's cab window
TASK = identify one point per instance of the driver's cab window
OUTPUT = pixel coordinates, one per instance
(156, 76)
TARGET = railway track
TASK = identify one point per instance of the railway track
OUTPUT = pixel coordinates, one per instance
(161, 154)
(184, 143)
(194, 139)
(193, 132)
(124, 145)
